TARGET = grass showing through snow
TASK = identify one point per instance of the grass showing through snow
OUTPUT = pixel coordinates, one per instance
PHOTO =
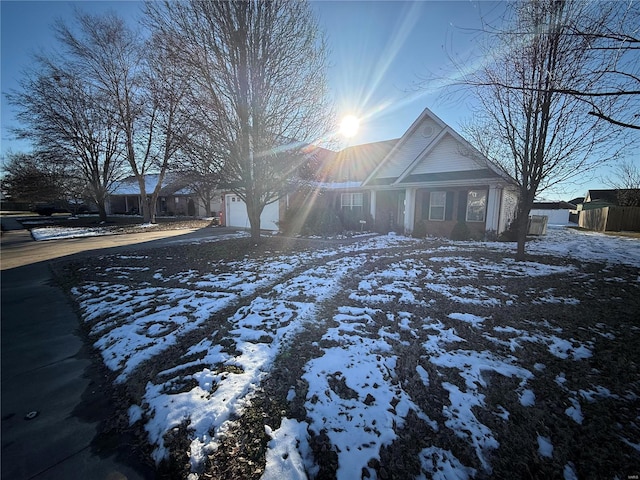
(377, 357)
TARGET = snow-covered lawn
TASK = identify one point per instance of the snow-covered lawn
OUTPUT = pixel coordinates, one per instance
(56, 228)
(379, 357)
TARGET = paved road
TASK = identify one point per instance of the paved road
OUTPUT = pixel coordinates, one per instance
(46, 368)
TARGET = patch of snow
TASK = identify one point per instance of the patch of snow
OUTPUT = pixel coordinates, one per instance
(288, 453)
(441, 464)
(136, 324)
(462, 420)
(598, 391)
(135, 414)
(502, 412)
(569, 472)
(291, 394)
(57, 233)
(474, 320)
(575, 411)
(545, 447)
(527, 398)
(634, 445)
(423, 374)
(587, 246)
(354, 395)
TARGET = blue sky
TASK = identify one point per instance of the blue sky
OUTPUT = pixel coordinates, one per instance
(380, 50)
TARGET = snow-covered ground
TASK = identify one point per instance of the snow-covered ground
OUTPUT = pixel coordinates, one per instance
(224, 324)
(58, 232)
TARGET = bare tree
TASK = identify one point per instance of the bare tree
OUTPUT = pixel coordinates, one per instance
(612, 30)
(63, 114)
(201, 163)
(626, 180)
(142, 92)
(258, 71)
(538, 134)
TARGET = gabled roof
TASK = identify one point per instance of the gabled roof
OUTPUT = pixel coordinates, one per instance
(613, 197)
(427, 137)
(602, 196)
(354, 164)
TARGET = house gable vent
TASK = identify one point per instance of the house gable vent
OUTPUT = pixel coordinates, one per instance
(427, 131)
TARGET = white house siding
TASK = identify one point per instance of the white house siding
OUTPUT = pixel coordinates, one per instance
(555, 217)
(236, 214)
(494, 201)
(409, 149)
(509, 208)
(215, 206)
(446, 156)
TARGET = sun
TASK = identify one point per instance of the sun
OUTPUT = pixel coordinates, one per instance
(349, 126)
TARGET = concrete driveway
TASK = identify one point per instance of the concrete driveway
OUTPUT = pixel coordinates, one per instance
(52, 394)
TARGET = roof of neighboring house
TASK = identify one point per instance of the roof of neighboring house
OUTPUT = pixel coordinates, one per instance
(561, 205)
(610, 198)
(172, 184)
(603, 196)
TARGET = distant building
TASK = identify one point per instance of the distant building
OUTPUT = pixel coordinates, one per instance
(610, 210)
(557, 213)
(176, 198)
(628, 197)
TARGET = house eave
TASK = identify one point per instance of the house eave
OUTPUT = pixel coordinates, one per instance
(480, 182)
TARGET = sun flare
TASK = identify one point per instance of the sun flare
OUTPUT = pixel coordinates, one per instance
(349, 126)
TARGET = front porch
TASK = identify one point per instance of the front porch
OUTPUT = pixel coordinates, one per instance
(435, 210)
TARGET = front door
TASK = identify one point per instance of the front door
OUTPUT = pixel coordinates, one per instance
(390, 210)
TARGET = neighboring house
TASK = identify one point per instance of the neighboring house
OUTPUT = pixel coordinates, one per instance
(610, 210)
(428, 180)
(611, 198)
(557, 213)
(176, 198)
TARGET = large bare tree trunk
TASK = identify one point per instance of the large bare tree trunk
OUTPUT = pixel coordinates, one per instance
(102, 211)
(254, 212)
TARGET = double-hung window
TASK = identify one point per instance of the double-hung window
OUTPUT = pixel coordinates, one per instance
(437, 205)
(476, 205)
(352, 200)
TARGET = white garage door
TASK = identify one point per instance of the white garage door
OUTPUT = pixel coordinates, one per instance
(236, 214)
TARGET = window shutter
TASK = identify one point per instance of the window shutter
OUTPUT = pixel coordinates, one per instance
(448, 211)
(425, 205)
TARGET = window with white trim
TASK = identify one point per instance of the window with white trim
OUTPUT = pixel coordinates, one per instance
(437, 205)
(476, 205)
(351, 200)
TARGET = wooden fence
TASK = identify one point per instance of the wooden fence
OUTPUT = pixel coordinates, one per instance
(611, 219)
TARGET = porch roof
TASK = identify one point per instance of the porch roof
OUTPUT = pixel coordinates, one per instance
(480, 174)
(427, 179)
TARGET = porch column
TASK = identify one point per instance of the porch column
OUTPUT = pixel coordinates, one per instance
(372, 205)
(409, 210)
(493, 208)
